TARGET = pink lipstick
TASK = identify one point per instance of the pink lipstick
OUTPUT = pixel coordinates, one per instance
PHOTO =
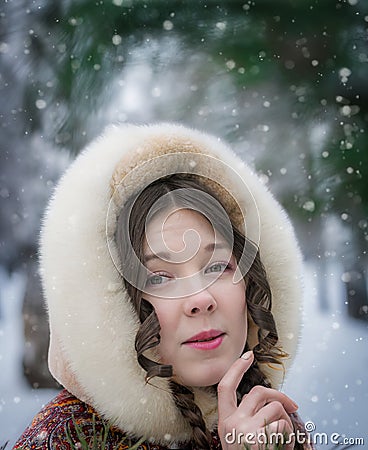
(206, 340)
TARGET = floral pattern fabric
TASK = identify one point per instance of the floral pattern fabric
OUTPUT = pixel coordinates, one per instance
(58, 425)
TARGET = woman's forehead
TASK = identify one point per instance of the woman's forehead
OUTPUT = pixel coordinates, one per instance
(182, 216)
(179, 235)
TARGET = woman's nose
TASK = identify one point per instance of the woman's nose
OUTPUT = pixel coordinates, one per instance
(200, 303)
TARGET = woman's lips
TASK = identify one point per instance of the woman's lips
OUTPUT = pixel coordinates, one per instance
(206, 340)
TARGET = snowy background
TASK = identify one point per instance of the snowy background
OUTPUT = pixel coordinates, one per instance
(284, 82)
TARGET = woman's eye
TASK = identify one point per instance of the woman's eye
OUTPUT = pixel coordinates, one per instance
(157, 279)
(217, 267)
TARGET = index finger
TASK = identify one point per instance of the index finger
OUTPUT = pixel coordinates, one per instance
(226, 390)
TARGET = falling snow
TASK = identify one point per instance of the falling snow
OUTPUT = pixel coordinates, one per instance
(116, 39)
(168, 25)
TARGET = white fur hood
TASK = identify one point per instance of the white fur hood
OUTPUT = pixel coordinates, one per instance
(92, 322)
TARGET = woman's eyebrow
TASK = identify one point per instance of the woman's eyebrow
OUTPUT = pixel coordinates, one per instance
(167, 257)
(160, 255)
(216, 246)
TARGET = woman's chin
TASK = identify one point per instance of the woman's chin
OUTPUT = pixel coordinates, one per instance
(201, 377)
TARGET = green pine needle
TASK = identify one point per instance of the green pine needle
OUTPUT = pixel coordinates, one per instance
(99, 438)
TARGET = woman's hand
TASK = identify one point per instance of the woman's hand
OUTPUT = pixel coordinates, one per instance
(261, 412)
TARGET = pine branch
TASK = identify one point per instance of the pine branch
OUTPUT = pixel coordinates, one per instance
(99, 438)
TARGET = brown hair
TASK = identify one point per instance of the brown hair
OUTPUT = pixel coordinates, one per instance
(129, 238)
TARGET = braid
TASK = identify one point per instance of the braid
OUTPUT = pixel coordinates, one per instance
(259, 302)
(184, 400)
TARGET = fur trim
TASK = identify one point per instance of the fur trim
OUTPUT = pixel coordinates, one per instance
(92, 322)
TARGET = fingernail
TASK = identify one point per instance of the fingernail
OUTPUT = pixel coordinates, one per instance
(296, 406)
(247, 355)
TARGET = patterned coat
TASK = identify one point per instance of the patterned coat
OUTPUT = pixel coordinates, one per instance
(59, 425)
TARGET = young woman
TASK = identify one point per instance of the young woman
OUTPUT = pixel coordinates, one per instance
(172, 280)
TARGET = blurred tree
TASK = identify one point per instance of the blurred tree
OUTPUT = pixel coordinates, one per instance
(314, 51)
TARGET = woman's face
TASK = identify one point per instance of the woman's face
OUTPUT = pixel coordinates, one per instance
(202, 312)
